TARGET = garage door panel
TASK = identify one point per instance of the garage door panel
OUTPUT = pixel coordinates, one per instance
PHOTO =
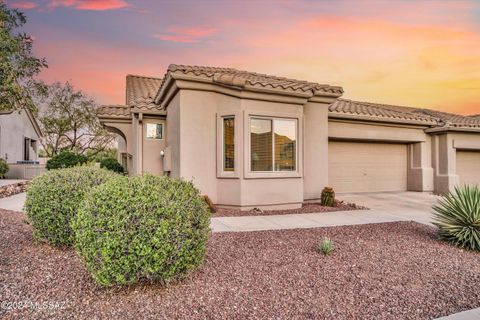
(367, 167)
(468, 167)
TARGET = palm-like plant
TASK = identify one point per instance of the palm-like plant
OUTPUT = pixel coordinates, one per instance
(457, 217)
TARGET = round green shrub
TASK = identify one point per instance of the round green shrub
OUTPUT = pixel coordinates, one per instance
(66, 159)
(457, 217)
(111, 164)
(3, 168)
(54, 197)
(142, 228)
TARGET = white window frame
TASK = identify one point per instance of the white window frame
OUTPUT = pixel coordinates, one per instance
(272, 120)
(235, 174)
(248, 173)
(155, 123)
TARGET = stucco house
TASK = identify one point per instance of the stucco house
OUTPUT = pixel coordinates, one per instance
(19, 135)
(254, 140)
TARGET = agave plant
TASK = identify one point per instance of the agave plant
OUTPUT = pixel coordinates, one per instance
(457, 216)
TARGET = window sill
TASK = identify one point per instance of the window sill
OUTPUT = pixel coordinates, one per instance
(272, 175)
(227, 175)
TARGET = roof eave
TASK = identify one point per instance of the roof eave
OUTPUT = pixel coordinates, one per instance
(444, 129)
(165, 93)
(336, 115)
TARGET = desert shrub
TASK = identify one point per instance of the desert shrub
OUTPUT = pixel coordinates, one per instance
(328, 197)
(326, 246)
(457, 216)
(3, 168)
(111, 164)
(66, 159)
(54, 198)
(142, 228)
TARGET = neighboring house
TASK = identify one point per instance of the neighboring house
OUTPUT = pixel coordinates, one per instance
(253, 140)
(19, 140)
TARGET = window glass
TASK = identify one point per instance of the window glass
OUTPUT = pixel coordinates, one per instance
(261, 144)
(228, 144)
(154, 131)
(273, 144)
(285, 145)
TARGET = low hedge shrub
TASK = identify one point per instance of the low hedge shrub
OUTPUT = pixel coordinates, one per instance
(111, 164)
(54, 197)
(66, 159)
(3, 168)
(142, 228)
(457, 217)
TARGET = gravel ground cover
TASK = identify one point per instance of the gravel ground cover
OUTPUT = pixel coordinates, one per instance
(308, 207)
(379, 271)
(14, 188)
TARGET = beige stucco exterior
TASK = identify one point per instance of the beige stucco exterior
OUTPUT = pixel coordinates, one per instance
(376, 152)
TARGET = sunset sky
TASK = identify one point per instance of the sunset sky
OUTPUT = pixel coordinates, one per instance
(422, 54)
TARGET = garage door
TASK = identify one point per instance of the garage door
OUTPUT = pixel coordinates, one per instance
(367, 167)
(468, 167)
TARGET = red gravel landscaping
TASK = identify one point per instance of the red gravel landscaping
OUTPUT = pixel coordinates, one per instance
(308, 207)
(14, 188)
(379, 271)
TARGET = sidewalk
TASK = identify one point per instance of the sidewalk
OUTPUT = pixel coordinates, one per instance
(14, 203)
(473, 314)
(315, 220)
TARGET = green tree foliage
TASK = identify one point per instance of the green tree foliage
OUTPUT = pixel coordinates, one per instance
(111, 164)
(68, 121)
(3, 168)
(18, 66)
(66, 159)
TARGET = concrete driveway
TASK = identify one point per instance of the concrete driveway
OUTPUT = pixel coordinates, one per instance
(385, 207)
(414, 205)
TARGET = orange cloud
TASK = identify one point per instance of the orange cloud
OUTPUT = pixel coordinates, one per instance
(96, 5)
(186, 35)
(25, 5)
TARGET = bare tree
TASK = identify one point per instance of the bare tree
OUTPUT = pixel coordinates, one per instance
(68, 121)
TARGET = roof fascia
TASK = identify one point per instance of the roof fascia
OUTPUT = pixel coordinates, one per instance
(335, 115)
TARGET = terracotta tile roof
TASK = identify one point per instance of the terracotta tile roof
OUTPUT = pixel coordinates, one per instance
(454, 120)
(141, 91)
(234, 77)
(379, 111)
(114, 110)
(385, 112)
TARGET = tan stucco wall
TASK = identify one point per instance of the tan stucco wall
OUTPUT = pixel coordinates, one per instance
(193, 139)
(198, 140)
(445, 147)
(315, 149)
(152, 160)
(280, 189)
(173, 135)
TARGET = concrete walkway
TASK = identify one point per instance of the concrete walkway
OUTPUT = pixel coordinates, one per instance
(473, 314)
(385, 207)
(14, 203)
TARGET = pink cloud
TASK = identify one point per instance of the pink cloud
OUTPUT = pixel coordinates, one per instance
(26, 5)
(186, 35)
(96, 5)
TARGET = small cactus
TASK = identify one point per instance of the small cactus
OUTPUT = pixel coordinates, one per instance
(328, 197)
